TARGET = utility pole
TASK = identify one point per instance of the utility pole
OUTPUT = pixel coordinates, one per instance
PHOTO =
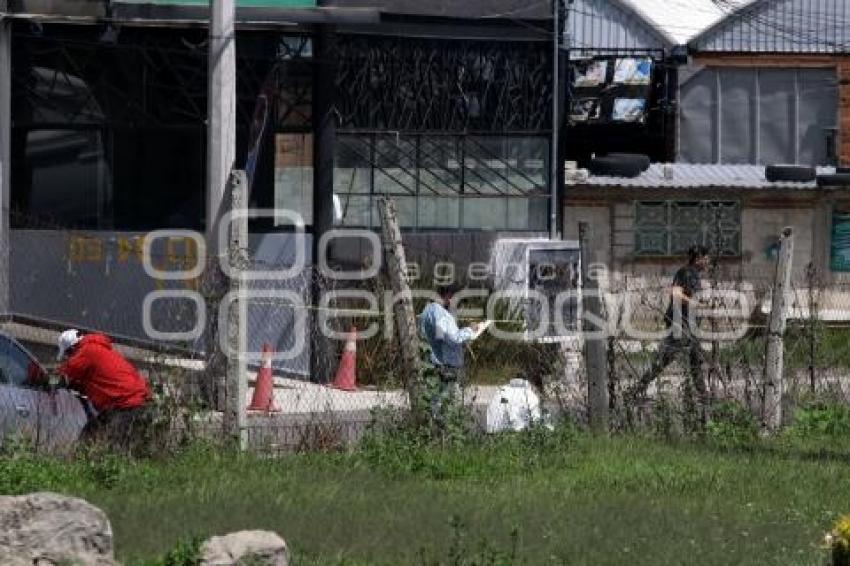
(221, 110)
(221, 154)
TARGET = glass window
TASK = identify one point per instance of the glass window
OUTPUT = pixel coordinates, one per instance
(61, 97)
(353, 165)
(113, 135)
(16, 367)
(439, 212)
(158, 178)
(839, 257)
(395, 165)
(669, 228)
(293, 176)
(528, 213)
(353, 179)
(485, 213)
(439, 166)
(485, 166)
(446, 182)
(354, 210)
(64, 178)
(405, 211)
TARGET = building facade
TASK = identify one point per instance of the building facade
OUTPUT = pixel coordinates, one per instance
(446, 108)
(642, 228)
(624, 60)
(767, 83)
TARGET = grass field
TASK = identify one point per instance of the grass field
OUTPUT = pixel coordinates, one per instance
(536, 498)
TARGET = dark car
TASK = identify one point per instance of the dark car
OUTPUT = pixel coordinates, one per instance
(47, 416)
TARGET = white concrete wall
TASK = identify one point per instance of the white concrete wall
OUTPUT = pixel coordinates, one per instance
(761, 227)
(598, 217)
(614, 244)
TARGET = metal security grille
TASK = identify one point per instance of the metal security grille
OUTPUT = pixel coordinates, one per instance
(426, 85)
(669, 228)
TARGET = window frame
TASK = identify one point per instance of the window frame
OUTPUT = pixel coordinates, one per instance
(467, 154)
(17, 348)
(670, 227)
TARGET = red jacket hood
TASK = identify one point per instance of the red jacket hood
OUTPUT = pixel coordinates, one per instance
(96, 339)
(104, 375)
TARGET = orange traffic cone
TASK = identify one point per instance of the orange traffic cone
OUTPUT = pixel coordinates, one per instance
(263, 398)
(346, 373)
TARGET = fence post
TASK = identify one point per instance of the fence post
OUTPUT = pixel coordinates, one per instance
(237, 331)
(595, 354)
(405, 317)
(776, 330)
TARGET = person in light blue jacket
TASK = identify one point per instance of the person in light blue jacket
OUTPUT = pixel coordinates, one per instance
(439, 327)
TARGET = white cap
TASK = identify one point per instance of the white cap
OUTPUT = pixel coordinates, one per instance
(67, 340)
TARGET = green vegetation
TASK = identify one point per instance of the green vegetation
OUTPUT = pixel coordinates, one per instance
(537, 497)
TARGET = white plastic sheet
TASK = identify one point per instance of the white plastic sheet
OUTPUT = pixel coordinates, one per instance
(514, 407)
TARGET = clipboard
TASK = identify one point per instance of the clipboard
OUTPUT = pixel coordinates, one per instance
(482, 328)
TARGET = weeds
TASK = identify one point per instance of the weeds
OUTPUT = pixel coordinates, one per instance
(732, 425)
(462, 553)
(186, 553)
(821, 419)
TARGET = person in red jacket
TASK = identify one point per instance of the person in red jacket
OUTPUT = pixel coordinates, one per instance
(113, 386)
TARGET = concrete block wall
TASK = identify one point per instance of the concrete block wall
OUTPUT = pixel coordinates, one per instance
(761, 223)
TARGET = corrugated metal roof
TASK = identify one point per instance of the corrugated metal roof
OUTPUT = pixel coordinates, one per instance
(610, 26)
(780, 26)
(641, 24)
(681, 20)
(691, 176)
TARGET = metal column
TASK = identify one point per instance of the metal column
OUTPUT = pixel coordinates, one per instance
(5, 153)
(554, 229)
(322, 349)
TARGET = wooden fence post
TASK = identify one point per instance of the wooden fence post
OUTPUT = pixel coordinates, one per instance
(404, 314)
(237, 323)
(595, 354)
(774, 363)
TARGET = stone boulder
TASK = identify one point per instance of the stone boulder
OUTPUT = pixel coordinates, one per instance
(245, 547)
(48, 528)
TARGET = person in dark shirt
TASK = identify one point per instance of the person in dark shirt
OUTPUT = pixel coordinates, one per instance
(681, 326)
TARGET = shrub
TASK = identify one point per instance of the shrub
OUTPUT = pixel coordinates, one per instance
(838, 541)
(186, 553)
(732, 424)
(821, 419)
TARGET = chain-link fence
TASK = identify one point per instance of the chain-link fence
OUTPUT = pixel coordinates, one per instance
(170, 320)
(727, 353)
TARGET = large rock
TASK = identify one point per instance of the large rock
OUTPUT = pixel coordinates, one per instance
(245, 547)
(48, 528)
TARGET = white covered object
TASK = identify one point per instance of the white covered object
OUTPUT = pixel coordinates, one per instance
(514, 407)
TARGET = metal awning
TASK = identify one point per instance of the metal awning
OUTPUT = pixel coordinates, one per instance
(174, 15)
